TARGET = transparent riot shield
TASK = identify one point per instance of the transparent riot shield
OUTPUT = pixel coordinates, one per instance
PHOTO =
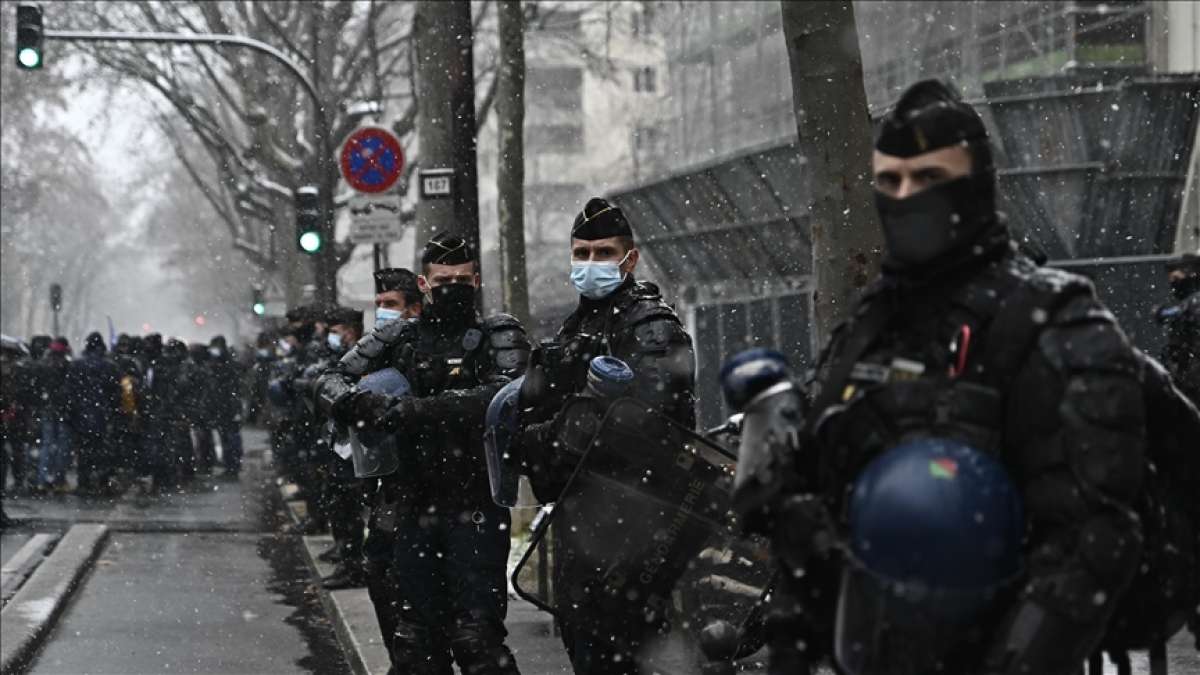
(375, 453)
(642, 542)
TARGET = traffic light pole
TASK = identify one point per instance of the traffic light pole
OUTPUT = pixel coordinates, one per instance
(327, 168)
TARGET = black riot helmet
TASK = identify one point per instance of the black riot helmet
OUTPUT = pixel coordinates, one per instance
(1184, 275)
(947, 221)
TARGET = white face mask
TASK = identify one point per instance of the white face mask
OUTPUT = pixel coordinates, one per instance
(599, 279)
(214, 352)
(384, 315)
(334, 340)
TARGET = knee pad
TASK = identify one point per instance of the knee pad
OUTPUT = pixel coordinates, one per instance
(413, 651)
(479, 649)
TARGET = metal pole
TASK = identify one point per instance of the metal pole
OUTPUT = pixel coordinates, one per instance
(219, 39)
(56, 333)
(216, 39)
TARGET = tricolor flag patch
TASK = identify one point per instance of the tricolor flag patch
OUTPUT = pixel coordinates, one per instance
(943, 468)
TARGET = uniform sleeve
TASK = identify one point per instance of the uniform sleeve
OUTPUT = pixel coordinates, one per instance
(660, 353)
(1077, 437)
(334, 388)
(506, 356)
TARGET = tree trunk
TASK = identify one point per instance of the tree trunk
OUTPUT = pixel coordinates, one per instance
(510, 174)
(446, 127)
(835, 138)
(325, 265)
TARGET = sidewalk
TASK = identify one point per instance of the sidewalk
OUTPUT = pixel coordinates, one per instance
(530, 637)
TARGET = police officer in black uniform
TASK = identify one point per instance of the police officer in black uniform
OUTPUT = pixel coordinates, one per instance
(341, 493)
(617, 316)
(451, 540)
(1182, 319)
(964, 339)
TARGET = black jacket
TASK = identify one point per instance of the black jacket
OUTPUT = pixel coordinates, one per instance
(454, 371)
(94, 385)
(1065, 414)
(633, 324)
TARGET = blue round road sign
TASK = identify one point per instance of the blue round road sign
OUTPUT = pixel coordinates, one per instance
(372, 159)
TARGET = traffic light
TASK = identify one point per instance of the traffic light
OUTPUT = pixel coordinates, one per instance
(55, 297)
(259, 307)
(308, 219)
(29, 37)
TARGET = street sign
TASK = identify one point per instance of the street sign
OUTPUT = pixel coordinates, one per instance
(437, 183)
(375, 219)
(371, 159)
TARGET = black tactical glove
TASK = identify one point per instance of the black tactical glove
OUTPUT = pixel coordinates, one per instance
(801, 527)
(363, 409)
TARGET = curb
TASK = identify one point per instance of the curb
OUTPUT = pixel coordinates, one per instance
(353, 616)
(356, 630)
(28, 618)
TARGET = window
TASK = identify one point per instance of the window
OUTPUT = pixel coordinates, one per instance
(643, 79)
(557, 88)
(648, 140)
(643, 20)
(555, 20)
(554, 138)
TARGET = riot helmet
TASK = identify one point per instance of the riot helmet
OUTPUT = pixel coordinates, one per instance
(934, 544)
(375, 451)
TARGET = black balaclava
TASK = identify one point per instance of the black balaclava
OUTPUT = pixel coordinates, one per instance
(38, 345)
(1189, 264)
(450, 303)
(943, 222)
(94, 344)
(152, 346)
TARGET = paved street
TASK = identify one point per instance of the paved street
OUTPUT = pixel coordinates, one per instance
(197, 582)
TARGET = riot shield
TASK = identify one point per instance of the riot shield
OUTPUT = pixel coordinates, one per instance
(374, 453)
(642, 543)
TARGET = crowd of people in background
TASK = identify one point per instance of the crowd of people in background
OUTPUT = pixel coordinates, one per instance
(139, 410)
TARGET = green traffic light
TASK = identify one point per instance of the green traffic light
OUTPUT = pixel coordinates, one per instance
(260, 308)
(29, 57)
(310, 242)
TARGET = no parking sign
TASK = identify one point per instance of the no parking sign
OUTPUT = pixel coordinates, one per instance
(371, 159)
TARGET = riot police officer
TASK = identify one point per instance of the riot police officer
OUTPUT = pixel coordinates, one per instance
(396, 297)
(341, 493)
(621, 317)
(451, 541)
(962, 340)
(1182, 319)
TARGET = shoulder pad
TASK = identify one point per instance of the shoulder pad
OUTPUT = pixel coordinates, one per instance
(1049, 280)
(656, 335)
(506, 332)
(396, 331)
(500, 321)
(645, 290)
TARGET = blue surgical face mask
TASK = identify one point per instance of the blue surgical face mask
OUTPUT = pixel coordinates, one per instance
(334, 340)
(597, 280)
(384, 315)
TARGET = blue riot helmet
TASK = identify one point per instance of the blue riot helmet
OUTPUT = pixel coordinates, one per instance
(502, 423)
(374, 451)
(608, 377)
(759, 384)
(935, 531)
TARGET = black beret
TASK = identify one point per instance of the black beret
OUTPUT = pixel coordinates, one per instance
(396, 279)
(447, 249)
(344, 316)
(600, 220)
(929, 115)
